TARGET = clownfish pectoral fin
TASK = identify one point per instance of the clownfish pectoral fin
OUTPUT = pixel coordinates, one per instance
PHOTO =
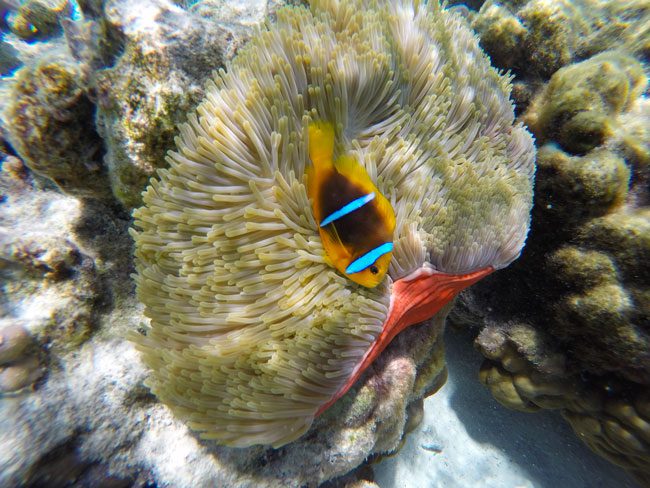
(321, 145)
(334, 248)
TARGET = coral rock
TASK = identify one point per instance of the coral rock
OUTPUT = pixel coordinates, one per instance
(578, 107)
(573, 189)
(47, 125)
(586, 272)
(151, 87)
(538, 37)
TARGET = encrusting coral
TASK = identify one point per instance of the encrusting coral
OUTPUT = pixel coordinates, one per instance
(582, 286)
(46, 120)
(252, 332)
(535, 38)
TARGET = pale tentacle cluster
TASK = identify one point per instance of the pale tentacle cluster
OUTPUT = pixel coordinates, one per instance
(251, 329)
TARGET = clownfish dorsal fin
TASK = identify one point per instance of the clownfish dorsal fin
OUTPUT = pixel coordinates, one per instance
(349, 167)
(321, 145)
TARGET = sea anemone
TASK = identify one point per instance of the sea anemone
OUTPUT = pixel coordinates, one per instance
(253, 332)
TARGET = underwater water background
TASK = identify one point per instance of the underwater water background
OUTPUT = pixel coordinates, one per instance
(173, 319)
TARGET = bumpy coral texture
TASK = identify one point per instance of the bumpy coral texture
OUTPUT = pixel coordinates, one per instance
(537, 37)
(600, 199)
(251, 330)
(579, 106)
(46, 119)
(583, 344)
(525, 372)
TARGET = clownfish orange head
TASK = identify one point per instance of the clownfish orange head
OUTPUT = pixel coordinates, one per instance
(355, 221)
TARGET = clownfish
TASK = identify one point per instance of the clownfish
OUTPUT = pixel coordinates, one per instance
(355, 221)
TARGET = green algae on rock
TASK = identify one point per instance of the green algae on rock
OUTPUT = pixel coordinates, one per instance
(46, 120)
(149, 90)
(251, 331)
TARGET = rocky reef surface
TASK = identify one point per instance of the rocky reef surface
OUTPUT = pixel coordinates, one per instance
(90, 97)
(566, 328)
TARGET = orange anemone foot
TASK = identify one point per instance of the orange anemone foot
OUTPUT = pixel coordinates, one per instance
(414, 299)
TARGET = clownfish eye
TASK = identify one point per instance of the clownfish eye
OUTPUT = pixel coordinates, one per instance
(373, 269)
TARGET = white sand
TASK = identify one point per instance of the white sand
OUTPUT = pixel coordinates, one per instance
(482, 444)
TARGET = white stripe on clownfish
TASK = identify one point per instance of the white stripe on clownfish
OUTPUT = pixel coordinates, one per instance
(347, 209)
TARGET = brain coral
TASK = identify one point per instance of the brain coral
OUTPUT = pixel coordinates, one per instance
(252, 331)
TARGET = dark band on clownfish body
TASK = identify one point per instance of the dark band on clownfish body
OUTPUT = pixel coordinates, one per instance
(336, 191)
(369, 258)
(360, 229)
(348, 208)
